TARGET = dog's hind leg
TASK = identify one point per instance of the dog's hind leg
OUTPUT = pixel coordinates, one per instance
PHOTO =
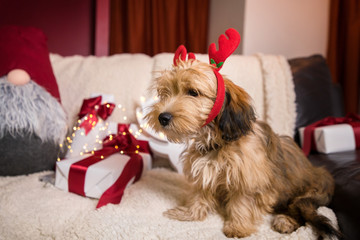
(303, 208)
(283, 223)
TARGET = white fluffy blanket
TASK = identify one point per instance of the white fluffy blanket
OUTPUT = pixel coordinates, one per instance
(31, 209)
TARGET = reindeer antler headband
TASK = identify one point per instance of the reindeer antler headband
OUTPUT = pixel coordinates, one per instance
(216, 58)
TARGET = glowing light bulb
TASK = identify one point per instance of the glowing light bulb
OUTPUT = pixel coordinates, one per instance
(139, 114)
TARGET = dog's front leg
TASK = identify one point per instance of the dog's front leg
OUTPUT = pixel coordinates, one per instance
(242, 217)
(195, 209)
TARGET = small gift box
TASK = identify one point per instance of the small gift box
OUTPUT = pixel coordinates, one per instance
(334, 138)
(105, 173)
(159, 145)
(92, 126)
(331, 135)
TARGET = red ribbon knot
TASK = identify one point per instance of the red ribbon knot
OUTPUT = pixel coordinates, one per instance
(92, 108)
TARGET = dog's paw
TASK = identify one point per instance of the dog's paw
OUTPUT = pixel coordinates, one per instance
(185, 214)
(284, 224)
(232, 230)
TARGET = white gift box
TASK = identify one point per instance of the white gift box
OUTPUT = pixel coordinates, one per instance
(93, 140)
(99, 176)
(159, 145)
(333, 138)
(82, 142)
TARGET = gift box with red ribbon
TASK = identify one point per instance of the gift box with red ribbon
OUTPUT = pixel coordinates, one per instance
(105, 173)
(92, 126)
(331, 135)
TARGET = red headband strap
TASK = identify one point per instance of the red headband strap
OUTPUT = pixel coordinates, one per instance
(220, 97)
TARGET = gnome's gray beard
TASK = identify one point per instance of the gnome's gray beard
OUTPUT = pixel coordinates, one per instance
(29, 109)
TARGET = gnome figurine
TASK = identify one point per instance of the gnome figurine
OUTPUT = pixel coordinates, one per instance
(32, 120)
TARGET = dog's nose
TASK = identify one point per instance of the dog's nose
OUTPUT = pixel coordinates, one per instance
(165, 118)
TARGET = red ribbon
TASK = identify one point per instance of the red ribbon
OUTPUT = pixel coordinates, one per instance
(309, 140)
(93, 108)
(123, 142)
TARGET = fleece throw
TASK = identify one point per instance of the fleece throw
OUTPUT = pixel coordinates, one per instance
(32, 209)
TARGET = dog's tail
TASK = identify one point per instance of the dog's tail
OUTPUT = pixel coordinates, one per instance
(305, 209)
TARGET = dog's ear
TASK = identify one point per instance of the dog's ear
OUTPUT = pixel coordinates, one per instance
(237, 114)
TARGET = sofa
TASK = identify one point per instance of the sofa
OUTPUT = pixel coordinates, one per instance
(316, 98)
(288, 94)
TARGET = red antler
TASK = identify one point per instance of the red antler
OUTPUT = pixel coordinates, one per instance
(181, 54)
(226, 47)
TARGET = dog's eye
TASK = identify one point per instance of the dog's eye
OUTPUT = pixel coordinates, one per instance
(193, 93)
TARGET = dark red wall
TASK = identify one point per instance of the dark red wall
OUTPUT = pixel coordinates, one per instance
(68, 24)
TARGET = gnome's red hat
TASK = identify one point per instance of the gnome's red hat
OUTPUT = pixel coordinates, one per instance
(26, 48)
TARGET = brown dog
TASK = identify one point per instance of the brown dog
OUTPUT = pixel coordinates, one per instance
(237, 165)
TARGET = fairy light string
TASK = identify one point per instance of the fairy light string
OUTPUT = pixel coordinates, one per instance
(88, 148)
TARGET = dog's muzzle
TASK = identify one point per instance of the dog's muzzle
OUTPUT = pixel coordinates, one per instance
(165, 118)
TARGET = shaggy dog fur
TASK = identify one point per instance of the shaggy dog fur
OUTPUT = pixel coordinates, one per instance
(237, 165)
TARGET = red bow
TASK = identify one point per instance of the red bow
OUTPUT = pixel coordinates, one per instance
(93, 108)
(351, 119)
(123, 142)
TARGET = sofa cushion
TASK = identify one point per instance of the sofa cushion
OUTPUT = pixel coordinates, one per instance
(317, 96)
(126, 76)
